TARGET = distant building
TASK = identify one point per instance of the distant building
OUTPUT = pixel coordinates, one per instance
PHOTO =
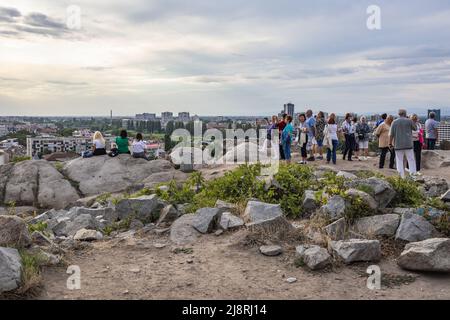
(289, 109)
(184, 117)
(3, 130)
(166, 117)
(444, 132)
(437, 112)
(146, 116)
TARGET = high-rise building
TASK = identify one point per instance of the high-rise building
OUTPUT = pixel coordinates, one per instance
(443, 132)
(184, 117)
(166, 116)
(146, 116)
(289, 109)
(437, 112)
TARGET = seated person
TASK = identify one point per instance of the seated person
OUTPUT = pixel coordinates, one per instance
(123, 143)
(98, 146)
(139, 147)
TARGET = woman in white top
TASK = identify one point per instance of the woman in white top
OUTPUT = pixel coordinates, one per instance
(331, 131)
(139, 147)
(98, 144)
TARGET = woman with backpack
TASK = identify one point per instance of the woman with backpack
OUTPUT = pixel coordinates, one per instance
(302, 137)
(121, 145)
(286, 138)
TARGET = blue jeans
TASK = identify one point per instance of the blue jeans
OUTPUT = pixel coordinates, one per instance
(331, 155)
(287, 151)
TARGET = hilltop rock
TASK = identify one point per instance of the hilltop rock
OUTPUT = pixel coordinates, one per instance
(182, 232)
(434, 186)
(347, 175)
(259, 211)
(380, 190)
(271, 251)
(145, 208)
(13, 232)
(357, 250)
(381, 225)
(427, 255)
(168, 214)
(105, 174)
(334, 208)
(367, 198)
(37, 183)
(414, 228)
(10, 269)
(67, 227)
(88, 235)
(225, 205)
(337, 229)
(313, 256)
(230, 221)
(309, 202)
(206, 219)
(431, 159)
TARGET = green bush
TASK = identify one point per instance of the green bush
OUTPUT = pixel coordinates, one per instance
(356, 209)
(18, 159)
(407, 192)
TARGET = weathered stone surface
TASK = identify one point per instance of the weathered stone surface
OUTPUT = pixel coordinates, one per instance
(278, 226)
(260, 211)
(381, 190)
(105, 174)
(446, 196)
(313, 256)
(367, 198)
(40, 239)
(434, 186)
(168, 214)
(228, 221)
(67, 227)
(163, 177)
(182, 232)
(356, 250)
(380, 225)
(347, 175)
(88, 235)
(309, 203)
(334, 208)
(13, 232)
(225, 205)
(431, 159)
(109, 214)
(207, 219)
(337, 229)
(136, 224)
(145, 208)
(87, 201)
(414, 228)
(271, 251)
(10, 269)
(427, 255)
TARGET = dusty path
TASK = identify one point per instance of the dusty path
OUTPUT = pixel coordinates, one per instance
(217, 268)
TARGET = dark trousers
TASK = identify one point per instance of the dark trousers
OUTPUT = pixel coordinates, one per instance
(331, 154)
(418, 154)
(431, 144)
(384, 151)
(282, 157)
(350, 143)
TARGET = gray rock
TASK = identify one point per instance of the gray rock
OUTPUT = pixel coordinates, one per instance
(145, 208)
(381, 225)
(168, 214)
(225, 205)
(271, 251)
(136, 224)
(13, 232)
(70, 227)
(337, 229)
(10, 269)
(183, 208)
(382, 191)
(230, 221)
(446, 196)
(40, 239)
(431, 159)
(87, 201)
(313, 256)
(434, 186)
(354, 250)
(347, 175)
(259, 211)
(428, 255)
(309, 202)
(206, 219)
(182, 232)
(291, 280)
(414, 228)
(88, 235)
(109, 214)
(367, 198)
(335, 207)
(278, 227)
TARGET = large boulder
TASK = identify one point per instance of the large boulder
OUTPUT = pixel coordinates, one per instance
(309, 204)
(379, 189)
(105, 174)
(88, 235)
(415, 228)
(335, 207)
(10, 269)
(367, 198)
(38, 183)
(225, 205)
(168, 214)
(337, 229)
(346, 175)
(381, 225)
(70, 226)
(259, 211)
(313, 256)
(427, 255)
(206, 219)
(145, 208)
(168, 175)
(434, 186)
(431, 159)
(228, 221)
(13, 232)
(354, 250)
(182, 232)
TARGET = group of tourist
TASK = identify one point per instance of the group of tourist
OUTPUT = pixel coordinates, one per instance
(121, 146)
(402, 138)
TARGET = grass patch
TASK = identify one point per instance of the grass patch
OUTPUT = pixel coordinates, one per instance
(407, 192)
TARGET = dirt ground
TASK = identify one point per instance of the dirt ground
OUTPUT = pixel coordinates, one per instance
(217, 267)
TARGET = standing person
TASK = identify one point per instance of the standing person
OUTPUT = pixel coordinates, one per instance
(400, 138)
(349, 133)
(310, 124)
(383, 119)
(431, 130)
(362, 131)
(139, 147)
(287, 137)
(356, 143)
(382, 133)
(281, 126)
(269, 139)
(319, 133)
(417, 141)
(302, 137)
(331, 132)
(123, 143)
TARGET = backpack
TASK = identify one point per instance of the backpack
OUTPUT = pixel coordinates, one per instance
(114, 152)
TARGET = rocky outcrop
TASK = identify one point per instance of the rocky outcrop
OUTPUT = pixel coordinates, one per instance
(354, 250)
(334, 209)
(309, 203)
(381, 225)
(267, 219)
(415, 228)
(145, 208)
(206, 219)
(313, 256)
(259, 211)
(228, 221)
(379, 189)
(13, 232)
(428, 255)
(10, 269)
(182, 232)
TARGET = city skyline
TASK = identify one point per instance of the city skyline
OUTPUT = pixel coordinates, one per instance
(223, 58)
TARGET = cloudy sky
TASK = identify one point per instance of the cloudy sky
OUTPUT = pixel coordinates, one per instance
(222, 57)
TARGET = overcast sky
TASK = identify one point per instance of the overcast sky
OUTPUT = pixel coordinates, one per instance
(222, 57)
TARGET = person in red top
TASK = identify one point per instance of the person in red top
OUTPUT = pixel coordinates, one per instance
(281, 126)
